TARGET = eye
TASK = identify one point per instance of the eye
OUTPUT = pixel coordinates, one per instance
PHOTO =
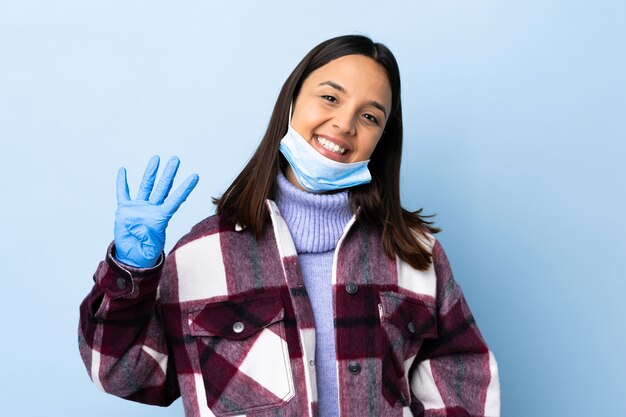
(329, 98)
(371, 118)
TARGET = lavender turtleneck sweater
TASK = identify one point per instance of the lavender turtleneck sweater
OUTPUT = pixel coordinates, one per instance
(316, 222)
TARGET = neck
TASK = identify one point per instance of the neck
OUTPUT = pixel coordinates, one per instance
(291, 177)
(316, 221)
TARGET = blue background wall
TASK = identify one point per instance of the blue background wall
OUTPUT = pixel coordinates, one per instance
(515, 136)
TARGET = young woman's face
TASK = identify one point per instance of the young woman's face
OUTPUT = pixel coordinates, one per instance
(342, 108)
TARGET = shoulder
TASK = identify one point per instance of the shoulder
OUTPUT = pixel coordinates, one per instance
(212, 226)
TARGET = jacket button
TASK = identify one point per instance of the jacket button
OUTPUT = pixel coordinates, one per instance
(352, 288)
(354, 367)
(238, 327)
(121, 283)
(411, 327)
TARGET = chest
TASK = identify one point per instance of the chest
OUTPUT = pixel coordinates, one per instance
(239, 307)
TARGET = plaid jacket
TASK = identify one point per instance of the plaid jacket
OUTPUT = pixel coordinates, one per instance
(225, 322)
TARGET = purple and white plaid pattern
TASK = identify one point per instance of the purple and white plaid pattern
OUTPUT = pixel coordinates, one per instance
(225, 322)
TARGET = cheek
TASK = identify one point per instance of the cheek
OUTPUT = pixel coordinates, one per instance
(308, 117)
(370, 146)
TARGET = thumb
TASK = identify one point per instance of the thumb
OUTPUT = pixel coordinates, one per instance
(149, 244)
(137, 229)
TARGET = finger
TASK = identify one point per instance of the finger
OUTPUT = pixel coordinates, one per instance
(122, 186)
(180, 195)
(165, 183)
(147, 182)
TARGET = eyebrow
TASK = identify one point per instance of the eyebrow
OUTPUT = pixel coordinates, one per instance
(343, 90)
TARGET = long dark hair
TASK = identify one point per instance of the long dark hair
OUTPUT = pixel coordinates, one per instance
(404, 232)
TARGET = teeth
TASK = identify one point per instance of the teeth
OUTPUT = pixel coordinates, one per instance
(330, 146)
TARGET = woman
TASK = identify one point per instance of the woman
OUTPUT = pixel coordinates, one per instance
(311, 292)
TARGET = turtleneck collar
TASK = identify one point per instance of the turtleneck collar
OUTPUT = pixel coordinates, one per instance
(316, 221)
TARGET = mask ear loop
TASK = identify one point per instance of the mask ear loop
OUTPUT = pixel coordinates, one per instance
(289, 120)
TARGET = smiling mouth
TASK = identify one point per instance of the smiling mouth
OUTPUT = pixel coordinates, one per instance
(333, 147)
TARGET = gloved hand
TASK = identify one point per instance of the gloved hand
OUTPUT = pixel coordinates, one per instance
(140, 224)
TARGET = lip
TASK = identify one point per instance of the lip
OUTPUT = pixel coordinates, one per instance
(330, 154)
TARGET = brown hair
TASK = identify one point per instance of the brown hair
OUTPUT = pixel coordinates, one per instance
(404, 232)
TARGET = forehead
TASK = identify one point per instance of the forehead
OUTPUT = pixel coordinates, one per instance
(360, 76)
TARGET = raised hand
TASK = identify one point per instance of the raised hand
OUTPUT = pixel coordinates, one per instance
(140, 224)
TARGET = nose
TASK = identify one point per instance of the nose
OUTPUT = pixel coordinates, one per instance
(344, 121)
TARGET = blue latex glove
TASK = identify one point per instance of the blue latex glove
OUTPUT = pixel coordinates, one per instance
(140, 224)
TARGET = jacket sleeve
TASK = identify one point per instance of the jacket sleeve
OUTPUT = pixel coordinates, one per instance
(121, 337)
(455, 374)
